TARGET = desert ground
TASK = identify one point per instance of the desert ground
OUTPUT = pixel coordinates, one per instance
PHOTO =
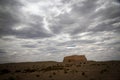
(50, 70)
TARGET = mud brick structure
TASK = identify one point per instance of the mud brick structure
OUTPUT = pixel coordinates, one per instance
(75, 58)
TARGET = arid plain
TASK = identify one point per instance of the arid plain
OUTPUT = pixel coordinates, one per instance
(50, 70)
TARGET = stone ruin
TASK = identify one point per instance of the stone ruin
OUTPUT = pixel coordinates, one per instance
(75, 58)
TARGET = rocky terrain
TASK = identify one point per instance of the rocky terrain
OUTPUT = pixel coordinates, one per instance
(50, 70)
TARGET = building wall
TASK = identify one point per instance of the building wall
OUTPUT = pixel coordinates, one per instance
(75, 58)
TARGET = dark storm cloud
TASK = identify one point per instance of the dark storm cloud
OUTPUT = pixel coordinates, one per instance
(2, 51)
(6, 22)
(85, 8)
(82, 28)
(118, 1)
(9, 3)
(75, 42)
(109, 13)
(114, 43)
(29, 46)
(8, 9)
(52, 49)
(64, 21)
(104, 27)
(118, 49)
(80, 9)
(2, 54)
(9, 18)
(110, 16)
(35, 30)
(51, 28)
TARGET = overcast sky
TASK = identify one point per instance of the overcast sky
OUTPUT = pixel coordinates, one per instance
(42, 30)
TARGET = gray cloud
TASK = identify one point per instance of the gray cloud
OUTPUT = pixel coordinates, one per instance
(7, 18)
(84, 8)
(6, 22)
(9, 6)
(56, 28)
(2, 51)
(11, 18)
(29, 46)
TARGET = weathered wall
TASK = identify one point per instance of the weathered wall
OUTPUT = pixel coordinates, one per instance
(75, 58)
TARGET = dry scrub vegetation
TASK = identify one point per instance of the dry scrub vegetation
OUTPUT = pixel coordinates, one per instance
(61, 71)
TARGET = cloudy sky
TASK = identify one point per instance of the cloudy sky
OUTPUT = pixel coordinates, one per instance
(42, 30)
